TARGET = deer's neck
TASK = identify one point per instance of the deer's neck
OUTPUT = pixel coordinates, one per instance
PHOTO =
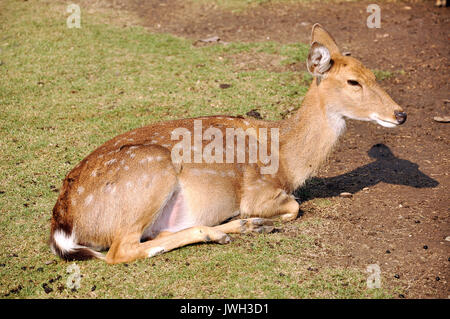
(307, 138)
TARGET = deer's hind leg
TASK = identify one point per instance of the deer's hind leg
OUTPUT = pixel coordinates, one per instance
(129, 248)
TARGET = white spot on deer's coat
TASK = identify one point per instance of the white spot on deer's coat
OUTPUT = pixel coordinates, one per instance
(159, 158)
(132, 155)
(110, 189)
(122, 162)
(145, 180)
(88, 200)
(129, 185)
(80, 190)
(210, 171)
(111, 161)
(94, 173)
(126, 168)
(148, 159)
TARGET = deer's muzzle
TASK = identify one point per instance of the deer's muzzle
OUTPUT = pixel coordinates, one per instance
(400, 116)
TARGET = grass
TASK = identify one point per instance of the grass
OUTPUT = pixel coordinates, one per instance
(66, 91)
(242, 5)
(237, 6)
(382, 74)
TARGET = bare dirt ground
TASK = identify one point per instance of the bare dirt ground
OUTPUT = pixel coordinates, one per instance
(398, 216)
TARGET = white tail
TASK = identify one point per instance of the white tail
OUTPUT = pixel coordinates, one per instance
(171, 184)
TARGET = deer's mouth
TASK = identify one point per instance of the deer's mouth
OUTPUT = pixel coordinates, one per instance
(382, 122)
(386, 123)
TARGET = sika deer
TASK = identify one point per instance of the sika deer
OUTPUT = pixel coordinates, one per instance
(134, 196)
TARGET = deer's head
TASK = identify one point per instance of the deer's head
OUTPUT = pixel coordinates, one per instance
(346, 87)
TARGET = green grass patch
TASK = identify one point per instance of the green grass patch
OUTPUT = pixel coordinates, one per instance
(237, 6)
(382, 75)
(322, 202)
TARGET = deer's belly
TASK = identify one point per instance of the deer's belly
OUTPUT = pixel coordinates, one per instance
(193, 204)
(173, 217)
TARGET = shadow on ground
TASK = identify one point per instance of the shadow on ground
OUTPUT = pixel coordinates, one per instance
(386, 168)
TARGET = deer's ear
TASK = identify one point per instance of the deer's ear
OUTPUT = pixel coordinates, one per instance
(320, 35)
(319, 60)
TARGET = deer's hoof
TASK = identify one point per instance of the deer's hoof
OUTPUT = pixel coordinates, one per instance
(288, 217)
(256, 225)
(224, 239)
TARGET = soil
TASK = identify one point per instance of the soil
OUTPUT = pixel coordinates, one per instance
(398, 216)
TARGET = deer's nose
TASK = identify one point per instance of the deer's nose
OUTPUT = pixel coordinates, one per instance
(400, 116)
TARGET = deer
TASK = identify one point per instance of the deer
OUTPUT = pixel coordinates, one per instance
(131, 198)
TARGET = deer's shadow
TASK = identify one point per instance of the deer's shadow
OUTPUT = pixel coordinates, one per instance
(386, 168)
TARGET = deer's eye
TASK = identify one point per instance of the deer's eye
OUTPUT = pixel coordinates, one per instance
(353, 83)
